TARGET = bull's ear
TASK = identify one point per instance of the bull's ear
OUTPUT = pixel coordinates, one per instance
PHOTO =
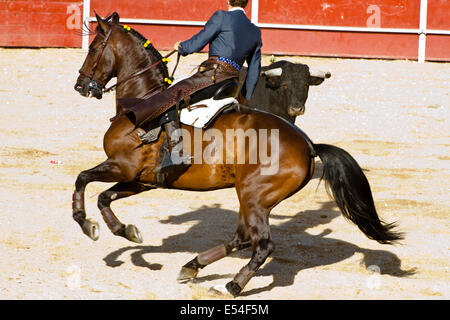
(317, 77)
(315, 81)
(103, 25)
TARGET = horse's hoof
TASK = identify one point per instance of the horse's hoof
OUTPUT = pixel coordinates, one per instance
(91, 229)
(132, 233)
(233, 288)
(187, 274)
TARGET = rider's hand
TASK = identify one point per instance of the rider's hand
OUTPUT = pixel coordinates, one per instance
(176, 45)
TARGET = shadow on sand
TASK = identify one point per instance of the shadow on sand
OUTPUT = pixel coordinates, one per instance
(295, 250)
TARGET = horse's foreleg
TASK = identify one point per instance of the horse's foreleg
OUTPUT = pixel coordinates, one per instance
(119, 191)
(241, 240)
(107, 171)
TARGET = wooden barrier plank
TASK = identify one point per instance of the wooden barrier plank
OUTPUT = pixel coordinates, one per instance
(438, 48)
(198, 10)
(39, 23)
(363, 13)
(438, 14)
(340, 44)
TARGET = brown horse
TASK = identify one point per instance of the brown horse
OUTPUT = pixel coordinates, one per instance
(119, 51)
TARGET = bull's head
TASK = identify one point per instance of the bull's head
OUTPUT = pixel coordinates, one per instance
(287, 86)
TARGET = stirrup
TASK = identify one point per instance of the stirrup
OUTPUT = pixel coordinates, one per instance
(173, 162)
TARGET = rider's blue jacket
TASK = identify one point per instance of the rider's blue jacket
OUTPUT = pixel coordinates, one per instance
(231, 35)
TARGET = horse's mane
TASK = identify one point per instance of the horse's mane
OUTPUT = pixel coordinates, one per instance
(150, 49)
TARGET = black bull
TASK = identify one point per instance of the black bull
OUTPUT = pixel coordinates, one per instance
(283, 87)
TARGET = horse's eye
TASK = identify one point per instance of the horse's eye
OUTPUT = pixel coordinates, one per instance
(92, 50)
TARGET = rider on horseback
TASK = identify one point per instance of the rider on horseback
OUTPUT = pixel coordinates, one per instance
(232, 40)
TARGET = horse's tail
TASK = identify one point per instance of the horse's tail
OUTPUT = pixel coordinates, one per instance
(349, 187)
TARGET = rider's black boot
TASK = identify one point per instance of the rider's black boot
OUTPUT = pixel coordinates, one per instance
(174, 160)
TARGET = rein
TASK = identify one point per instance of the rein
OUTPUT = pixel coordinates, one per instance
(104, 43)
(145, 70)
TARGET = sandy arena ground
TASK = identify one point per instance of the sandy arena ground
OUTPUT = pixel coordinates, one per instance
(392, 116)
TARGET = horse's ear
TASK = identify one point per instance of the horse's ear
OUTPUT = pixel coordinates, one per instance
(115, 18)
(104, 27)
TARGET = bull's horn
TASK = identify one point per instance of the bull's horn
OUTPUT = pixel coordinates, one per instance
(319, 73)
(276, 72)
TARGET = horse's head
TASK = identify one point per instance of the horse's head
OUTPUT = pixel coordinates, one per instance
(99, 66)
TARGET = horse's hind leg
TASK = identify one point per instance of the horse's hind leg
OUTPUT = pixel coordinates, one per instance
(257, 221)
(241, 240)
(119, 191)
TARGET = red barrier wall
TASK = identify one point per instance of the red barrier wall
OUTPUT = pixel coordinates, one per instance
(393, 13)
(54, 23)
(438, 46)
(341, 44)
(49, 23)
(191, 10)
(342, 13)
(439, 14)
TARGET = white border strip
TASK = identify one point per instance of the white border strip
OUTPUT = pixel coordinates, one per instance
(288, 26)
(439, 32)
(86, 19)
(163, 22)
(336, 28)
(423, 28)
(255, 11)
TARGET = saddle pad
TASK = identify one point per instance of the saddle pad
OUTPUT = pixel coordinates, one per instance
(203, 112)
(198, 115)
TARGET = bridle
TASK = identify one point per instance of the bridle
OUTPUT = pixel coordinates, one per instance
(100, 88)
(94, 85)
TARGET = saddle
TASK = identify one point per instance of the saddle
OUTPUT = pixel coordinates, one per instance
(199, 114)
